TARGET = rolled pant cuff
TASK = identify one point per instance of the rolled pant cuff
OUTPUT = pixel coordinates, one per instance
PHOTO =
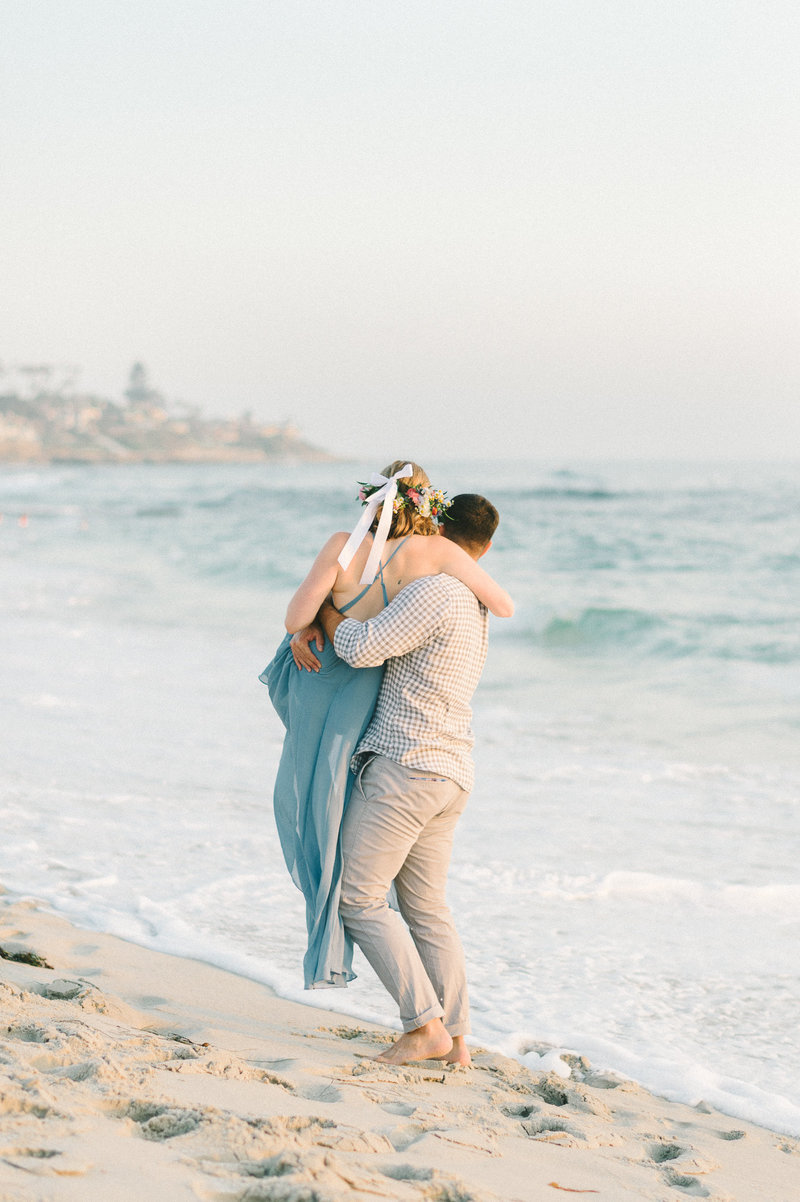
(462, 1028)
(411, 1024)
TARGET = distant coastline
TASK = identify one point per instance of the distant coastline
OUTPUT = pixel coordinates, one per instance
(55, 425)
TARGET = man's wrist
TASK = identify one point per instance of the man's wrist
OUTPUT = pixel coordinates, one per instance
(327, 610)
(329, 617)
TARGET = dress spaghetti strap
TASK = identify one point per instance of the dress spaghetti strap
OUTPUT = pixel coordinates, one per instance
(378, 575)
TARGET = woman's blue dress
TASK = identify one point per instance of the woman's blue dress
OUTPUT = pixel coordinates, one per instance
(325, 714)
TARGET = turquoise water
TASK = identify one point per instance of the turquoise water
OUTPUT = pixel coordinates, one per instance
(626, 873)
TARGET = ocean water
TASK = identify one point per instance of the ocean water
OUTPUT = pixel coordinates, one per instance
(626, 874)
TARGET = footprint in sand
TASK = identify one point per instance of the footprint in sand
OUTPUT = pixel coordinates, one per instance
(28, 1034)
(160, 1123)
(557, 1092)
(554, 1131)
(28, 1099)
(442, 1186)
(604, 1081)
(677, 1158)
(404, 1109)
(403, 1136)
(278, 1167)
(149, 1001)
(682, 1167)
(294, 1176)
(59, 991)
(521, 1110)
(406, 1172)
(313, 1131)
(661, 1153)
(277, 1066)
(320, 1093)
(689, 1185)
(214, 1063)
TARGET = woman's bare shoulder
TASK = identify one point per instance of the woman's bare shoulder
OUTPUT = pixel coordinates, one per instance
(337, 541)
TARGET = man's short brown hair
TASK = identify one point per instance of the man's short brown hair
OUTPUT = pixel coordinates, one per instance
(470, 519)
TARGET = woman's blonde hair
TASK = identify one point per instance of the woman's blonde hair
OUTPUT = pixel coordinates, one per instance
(407, 520)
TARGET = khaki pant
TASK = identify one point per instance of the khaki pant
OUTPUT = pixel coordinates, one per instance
(399, 827)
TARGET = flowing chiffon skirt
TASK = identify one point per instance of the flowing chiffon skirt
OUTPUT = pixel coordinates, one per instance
(325, 714)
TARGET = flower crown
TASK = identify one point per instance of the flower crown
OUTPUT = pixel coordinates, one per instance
(428, 502)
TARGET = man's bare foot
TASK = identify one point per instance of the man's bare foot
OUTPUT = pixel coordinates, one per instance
(458, 1054)
(430, 1042)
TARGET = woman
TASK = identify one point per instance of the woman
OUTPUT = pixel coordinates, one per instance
(326, 712)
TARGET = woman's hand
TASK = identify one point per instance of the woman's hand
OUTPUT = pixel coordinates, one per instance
(300, 644)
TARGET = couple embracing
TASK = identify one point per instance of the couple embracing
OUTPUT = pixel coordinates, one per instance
(376, 765)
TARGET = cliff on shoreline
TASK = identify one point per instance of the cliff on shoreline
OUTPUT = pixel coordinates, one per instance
(53, 428)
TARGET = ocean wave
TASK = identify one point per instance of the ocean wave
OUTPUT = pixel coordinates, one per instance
(620, 630)
(781, 902)
(778, 902)
(568, 493)
(598, 625)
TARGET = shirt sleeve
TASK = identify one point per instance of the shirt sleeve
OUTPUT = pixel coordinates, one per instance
(409, 621)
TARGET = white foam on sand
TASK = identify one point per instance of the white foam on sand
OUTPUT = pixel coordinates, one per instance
(130, 1074)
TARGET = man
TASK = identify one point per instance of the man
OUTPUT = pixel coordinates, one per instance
(414, 774)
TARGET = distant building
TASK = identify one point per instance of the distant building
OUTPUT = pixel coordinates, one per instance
(138, 391)
(147, 405)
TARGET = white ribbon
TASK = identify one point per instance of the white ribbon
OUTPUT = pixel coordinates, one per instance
(383, 495)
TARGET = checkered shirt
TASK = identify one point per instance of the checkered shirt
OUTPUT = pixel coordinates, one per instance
(433, 638)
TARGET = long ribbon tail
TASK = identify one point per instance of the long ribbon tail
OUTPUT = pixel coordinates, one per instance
(381, 534)
(359, 533)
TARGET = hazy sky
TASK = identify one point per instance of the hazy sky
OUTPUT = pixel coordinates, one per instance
(552, 227)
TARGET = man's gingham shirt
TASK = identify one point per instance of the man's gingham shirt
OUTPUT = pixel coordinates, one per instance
(433, 638)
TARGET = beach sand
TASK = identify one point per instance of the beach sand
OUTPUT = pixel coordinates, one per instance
(130, 1076)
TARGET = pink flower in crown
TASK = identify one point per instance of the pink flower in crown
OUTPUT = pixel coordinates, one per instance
(413, 494)
(362, 496)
